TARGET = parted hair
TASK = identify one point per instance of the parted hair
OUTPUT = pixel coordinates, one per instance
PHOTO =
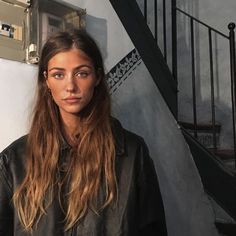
(91, 162)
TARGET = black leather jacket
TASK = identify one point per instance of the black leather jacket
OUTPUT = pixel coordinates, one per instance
(139, 210)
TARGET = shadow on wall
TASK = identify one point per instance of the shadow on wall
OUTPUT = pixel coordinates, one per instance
(97, 28)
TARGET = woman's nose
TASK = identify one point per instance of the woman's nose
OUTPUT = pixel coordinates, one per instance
(71, 85)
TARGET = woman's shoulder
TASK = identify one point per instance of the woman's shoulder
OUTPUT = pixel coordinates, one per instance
(126, 140)
(123, 133)
(16, 148)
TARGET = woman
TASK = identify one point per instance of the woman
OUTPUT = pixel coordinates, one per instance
(77, 172)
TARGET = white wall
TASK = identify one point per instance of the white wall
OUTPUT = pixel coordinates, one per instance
(17, 83)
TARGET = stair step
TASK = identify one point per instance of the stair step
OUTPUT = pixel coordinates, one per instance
(204, 133)
(204, 127)
(224, 154)
(227, 229)
(231, 164)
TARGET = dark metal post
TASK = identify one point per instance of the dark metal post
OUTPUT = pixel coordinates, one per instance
(155, 20)
(174, 38)
(231, 27)
(164, 30)
(213, 120)
(145, 10)
(193, 78)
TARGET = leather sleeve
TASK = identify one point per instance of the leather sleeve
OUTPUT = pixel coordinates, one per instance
(151, 211)
(6, 211)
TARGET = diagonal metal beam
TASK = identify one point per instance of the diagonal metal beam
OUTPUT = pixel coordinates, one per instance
(133, 21)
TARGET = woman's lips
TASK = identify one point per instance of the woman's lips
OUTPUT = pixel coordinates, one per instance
(72, 99)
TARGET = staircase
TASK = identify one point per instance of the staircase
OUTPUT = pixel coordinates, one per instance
(204, 134)
(215, 163)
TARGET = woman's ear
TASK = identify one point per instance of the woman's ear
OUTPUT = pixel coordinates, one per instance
(46, 78)
(45, 75)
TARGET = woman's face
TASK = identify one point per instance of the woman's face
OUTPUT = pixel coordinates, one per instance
(71, 78)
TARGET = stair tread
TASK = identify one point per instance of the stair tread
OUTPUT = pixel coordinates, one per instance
(225, 154)
(200, 126)
(228, 229)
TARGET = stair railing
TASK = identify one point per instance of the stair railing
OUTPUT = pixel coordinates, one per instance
(231, 27)
(174, 57)
(231, 38)
(155, 33)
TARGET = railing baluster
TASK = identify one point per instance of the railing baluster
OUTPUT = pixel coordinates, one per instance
(193, 78)
(155, 19)
(145, 10)
(200, 22)
(231, 27)
(164, 29)
(193, 20)
(212, 90)
(174, 38)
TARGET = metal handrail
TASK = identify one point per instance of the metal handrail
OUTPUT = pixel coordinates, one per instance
(231, 38)
(231, 28)
(145, 9)
(193, 20)
(202, 23)
(164, 29)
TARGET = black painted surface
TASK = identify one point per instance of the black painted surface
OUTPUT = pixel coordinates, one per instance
(219, 183)
(226, 229)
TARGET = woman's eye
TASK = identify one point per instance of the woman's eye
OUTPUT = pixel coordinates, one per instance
(58, 76)
(82, 74)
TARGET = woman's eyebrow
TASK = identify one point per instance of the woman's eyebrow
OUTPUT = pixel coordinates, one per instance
(76, 68)
(56, 68)
(81, 66)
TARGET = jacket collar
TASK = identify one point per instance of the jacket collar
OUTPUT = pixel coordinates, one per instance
(119, 137)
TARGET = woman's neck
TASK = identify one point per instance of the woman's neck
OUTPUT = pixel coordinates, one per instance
(71, 128)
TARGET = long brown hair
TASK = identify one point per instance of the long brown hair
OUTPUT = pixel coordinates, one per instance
(92, 162)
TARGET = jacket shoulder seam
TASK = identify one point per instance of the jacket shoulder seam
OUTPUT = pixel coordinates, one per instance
(3, 168)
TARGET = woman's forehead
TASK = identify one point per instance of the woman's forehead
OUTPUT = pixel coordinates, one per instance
(71, 57)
